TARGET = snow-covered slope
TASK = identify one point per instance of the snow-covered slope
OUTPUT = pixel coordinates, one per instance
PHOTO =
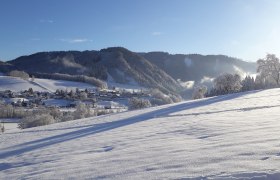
(227, 137)
(53, 85)
(18, 84)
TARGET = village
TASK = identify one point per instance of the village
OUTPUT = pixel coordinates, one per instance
(93, 97)
(63, 105)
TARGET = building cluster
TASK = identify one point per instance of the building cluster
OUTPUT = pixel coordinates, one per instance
(69, 99)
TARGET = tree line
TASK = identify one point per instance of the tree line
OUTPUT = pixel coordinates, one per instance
(268, 76)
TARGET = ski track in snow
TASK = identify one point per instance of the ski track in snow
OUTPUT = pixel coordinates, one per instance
(225, 137)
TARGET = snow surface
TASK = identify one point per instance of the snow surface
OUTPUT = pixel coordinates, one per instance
(11, 127)
(17, 84)
(53, 85)
(127, 87)
(57, 102)
(112, 104)
(226, 137)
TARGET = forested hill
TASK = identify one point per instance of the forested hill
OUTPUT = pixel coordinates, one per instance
(112, 64)
(6, 67)
(196, 66)
(155, 69)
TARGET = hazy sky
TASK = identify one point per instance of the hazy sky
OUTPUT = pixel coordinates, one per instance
(246, 29)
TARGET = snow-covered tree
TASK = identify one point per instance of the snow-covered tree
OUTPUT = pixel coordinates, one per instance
(32, 78)
(36, 120)
(30, 91)
(227, 83)
(55, 113)
(20, 74)
(67, 116)
(248, 84)
(72, 94)
(269, 68)
(137, 103)
(175, 97)
(199, 92)
(83, 95)
(81, 111)
(9, 111)
(159, 98)
(259, 82)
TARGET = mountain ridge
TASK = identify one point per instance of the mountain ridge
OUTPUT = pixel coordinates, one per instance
(153, 69)
(178, 65)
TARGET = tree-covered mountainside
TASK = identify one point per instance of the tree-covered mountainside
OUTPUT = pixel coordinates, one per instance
(5, 67)
(155, 69)
(195, 66)
(112, 64)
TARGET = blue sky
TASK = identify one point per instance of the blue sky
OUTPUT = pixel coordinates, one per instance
(246, 29)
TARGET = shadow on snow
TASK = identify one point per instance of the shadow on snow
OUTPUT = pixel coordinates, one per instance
(103, 127)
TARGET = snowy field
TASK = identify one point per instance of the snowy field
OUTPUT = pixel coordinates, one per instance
(11, 127)
(227, 137)
(127, 87)
(53, 85)
(17, 84)
(10, 124)
(49, 85)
